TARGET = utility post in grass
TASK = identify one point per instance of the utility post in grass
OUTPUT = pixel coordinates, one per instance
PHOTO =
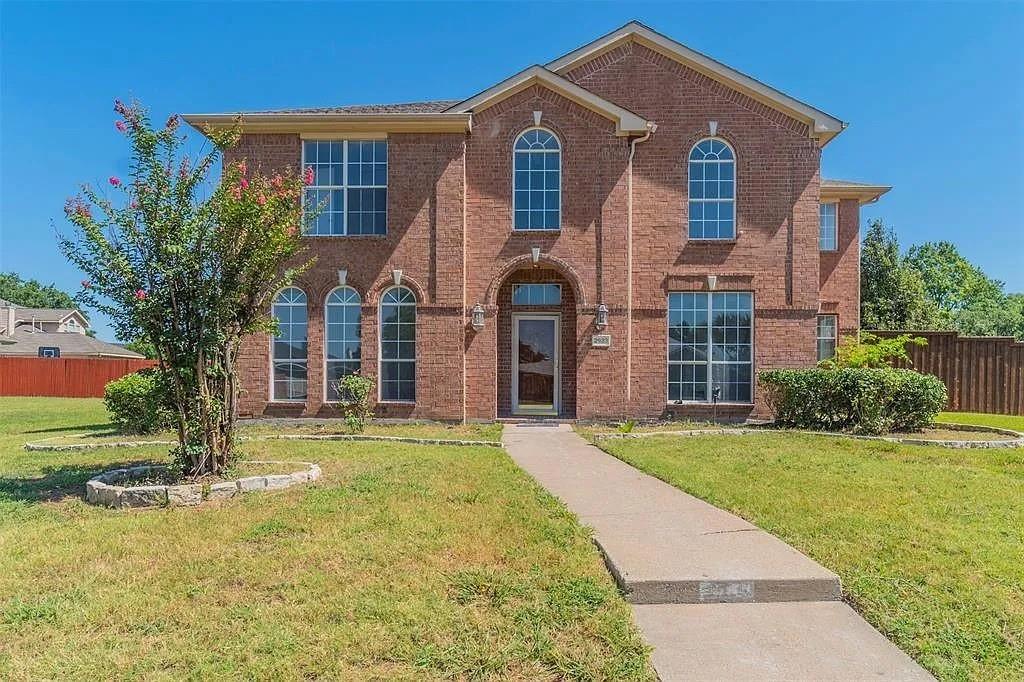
(189, 267)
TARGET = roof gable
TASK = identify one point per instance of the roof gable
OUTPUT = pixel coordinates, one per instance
(626, 122)
(822, 126)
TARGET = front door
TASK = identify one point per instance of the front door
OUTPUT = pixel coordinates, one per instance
(535, 364)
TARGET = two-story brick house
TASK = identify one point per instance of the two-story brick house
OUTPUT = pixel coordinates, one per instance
(630, 230)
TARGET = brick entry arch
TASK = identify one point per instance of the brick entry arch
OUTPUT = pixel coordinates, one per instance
(568, 310)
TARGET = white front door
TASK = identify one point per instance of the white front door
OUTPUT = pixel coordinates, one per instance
(536, 380)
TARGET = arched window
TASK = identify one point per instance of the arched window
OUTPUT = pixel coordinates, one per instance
(290, 346)
(398, 345)
(342, 348)
(712, 174)
(537, 184)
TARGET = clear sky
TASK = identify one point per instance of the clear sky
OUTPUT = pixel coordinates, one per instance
(934, 93)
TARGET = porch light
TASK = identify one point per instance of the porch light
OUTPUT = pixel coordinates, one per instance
(397, 276)
(478, 317)
(535, 254)
(602, 316)
(712, 282)
(342, 277)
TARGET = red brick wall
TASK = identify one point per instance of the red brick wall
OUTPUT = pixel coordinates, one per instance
(424, 240)
(840, 269)
(775, 254)
(450, 231)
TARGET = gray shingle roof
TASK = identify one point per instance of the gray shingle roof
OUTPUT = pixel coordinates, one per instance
(428, 107)
(26, 342)
(831, 182)
(42, 314)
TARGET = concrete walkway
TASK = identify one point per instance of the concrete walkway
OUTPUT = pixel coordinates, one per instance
(717, 597)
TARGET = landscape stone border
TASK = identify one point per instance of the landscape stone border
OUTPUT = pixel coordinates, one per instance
(105, 489)
(44, 446)
(1016, 440)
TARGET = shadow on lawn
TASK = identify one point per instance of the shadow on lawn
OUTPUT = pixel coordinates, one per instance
(59, 483)
(81, 427)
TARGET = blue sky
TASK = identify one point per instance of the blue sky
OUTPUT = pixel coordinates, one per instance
(934, 93)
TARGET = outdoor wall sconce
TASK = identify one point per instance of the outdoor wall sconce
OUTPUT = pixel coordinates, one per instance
(397, 276)
(535, 254)
(342, 277)
(478, 317)
(712, 282)
(602, 316)
(713, 127)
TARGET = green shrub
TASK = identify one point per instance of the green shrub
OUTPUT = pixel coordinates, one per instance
(354, 392)
(138, 402)
(856, 399)
(871, 351)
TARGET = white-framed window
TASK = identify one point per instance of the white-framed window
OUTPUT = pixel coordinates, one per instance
(350, 187)
(342, 345)
(398, 345)
(827, 233)
(828, 332)
(712, 190)
(536, 294)
(710, 345)
(290, 347)
(537, 181)
(72, 326)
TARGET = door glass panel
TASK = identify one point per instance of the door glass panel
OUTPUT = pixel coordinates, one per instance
(536, 364)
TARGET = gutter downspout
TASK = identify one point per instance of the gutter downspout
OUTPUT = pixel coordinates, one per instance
(651, 127)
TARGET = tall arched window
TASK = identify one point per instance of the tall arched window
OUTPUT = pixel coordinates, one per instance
(342, 347)
(289, 358)
(712, 172)
(537, 185)
(398, 345)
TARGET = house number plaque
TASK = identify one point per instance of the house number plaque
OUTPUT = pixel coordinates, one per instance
(601, 340)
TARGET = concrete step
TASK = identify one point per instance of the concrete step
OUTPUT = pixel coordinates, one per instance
(784, 641)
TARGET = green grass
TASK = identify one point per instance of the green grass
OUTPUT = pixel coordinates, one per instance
(928, 541)
(1001, 421)
(402, 562)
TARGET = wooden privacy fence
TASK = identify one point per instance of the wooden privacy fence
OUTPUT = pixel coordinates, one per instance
(64, 377)
(981, 373)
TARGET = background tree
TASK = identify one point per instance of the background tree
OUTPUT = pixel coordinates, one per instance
(892, 293)
(932, 287)
(188, 269)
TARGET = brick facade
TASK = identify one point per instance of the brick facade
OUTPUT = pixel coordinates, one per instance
(450, 232)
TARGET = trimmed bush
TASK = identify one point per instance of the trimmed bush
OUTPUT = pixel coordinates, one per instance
(859, 400)
(137, 402)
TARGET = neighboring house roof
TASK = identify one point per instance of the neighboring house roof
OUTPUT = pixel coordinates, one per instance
(27, 316)
(846, 189)
(626, 122)
(822, 125)
(26, 341)
(456, 116)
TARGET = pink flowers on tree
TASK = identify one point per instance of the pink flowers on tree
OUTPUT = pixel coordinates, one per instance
(114, 181)
(307, 176)
(121, 126)
(140, 295)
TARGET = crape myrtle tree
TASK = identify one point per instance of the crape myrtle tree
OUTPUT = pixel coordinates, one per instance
(188, 267)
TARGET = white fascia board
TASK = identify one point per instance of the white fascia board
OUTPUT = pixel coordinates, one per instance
(626, 122)
(823, 125)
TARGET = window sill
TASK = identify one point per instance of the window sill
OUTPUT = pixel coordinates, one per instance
(536, 230)
(698, 403)
(694, 240)
(279, 401)
(344, 236)
(396, 402)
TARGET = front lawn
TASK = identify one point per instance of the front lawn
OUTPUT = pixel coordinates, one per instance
(403, 562)
(929, 542)
(1001, 421)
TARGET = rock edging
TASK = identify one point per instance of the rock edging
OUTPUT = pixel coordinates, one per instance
(104, 489)
(1016, 442)
(43, 446)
